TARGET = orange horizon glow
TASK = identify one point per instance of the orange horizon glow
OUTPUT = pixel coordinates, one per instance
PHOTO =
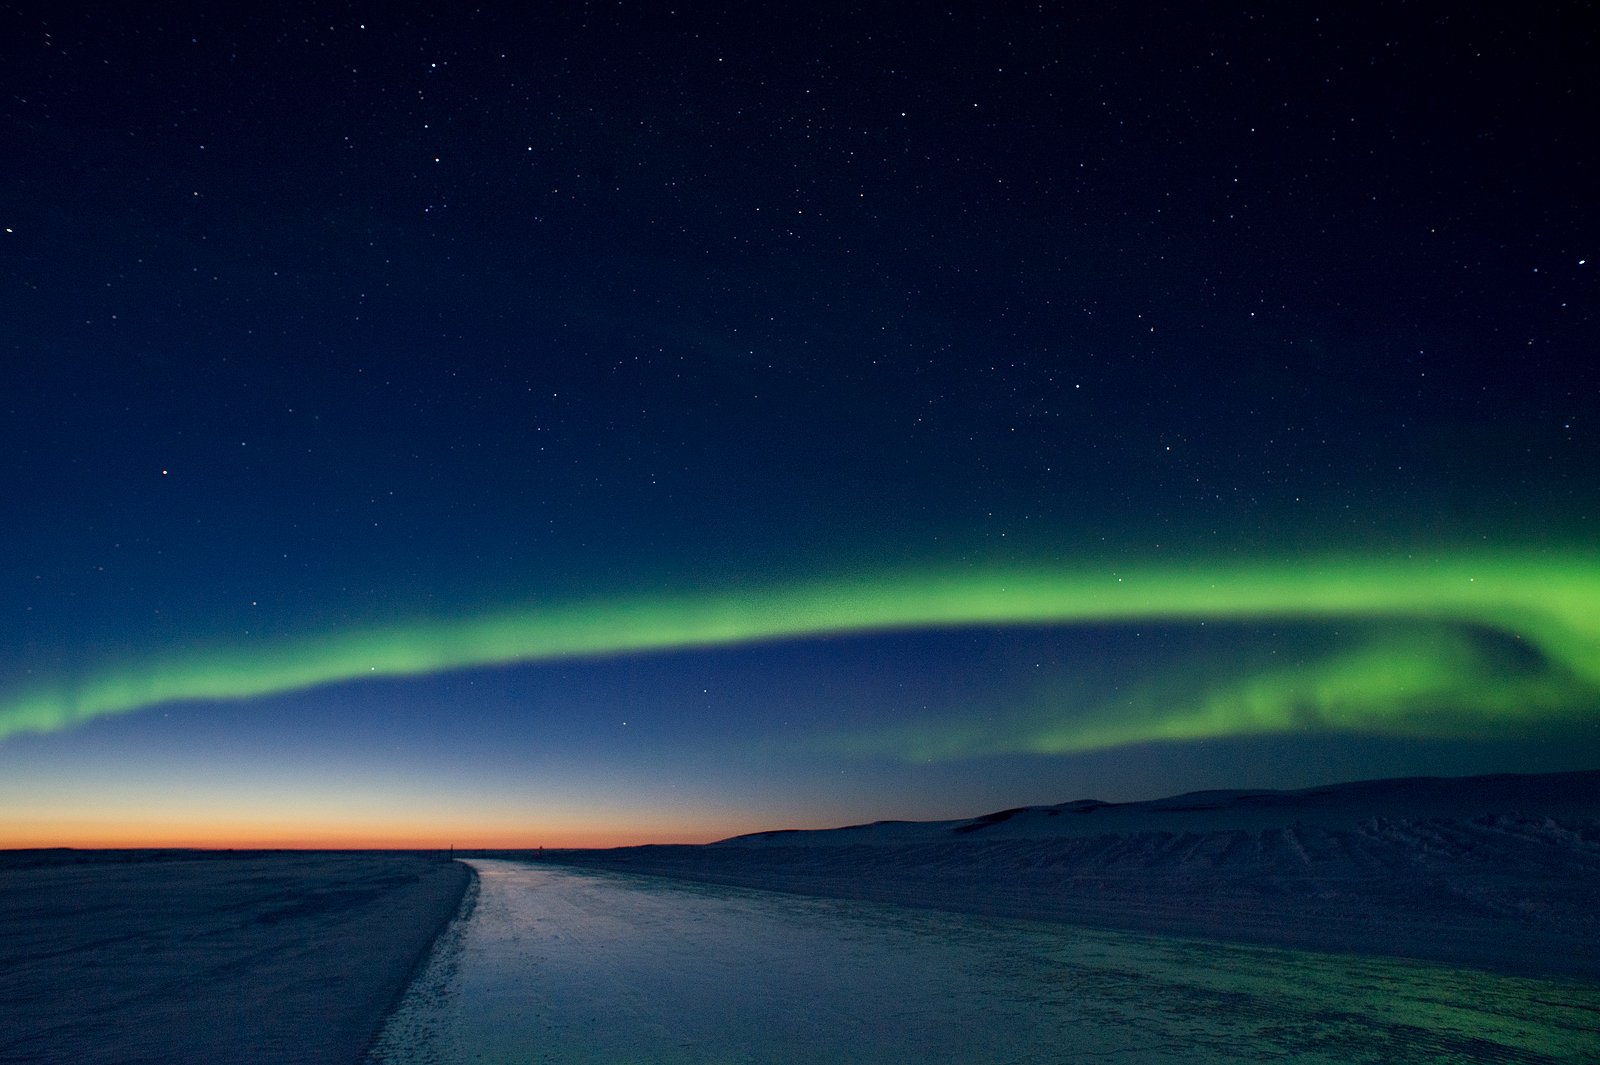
(318, 819)
(294, 841)
(213, 836)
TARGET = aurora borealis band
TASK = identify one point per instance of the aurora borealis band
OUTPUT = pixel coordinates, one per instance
(645, 424)
(1551, 603)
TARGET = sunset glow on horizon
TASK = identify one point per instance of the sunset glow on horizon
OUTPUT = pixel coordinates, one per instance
(488, 829)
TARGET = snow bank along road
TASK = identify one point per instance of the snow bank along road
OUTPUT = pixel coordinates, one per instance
(162, 956)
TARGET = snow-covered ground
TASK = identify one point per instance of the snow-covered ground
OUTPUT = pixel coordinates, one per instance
(170, 957)
(560, 965)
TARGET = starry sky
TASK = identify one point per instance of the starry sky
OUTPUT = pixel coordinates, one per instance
(607, 423)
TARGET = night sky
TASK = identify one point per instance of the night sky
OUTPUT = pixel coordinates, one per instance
(602, 423)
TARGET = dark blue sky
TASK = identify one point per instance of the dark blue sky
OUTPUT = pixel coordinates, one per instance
(339, 318)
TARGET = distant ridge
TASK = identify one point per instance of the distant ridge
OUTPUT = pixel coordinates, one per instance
(1570, 794)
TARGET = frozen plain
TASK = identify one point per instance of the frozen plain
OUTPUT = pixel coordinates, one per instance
(554, 964)
(281, 958)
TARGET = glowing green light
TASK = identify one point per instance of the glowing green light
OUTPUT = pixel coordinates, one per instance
(1398, 678)
(1551, 602)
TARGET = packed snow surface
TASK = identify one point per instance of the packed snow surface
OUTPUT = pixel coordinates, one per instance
(560, 965)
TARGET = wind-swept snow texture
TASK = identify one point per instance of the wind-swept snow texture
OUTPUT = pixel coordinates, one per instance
(1501, 872)
(174, 957)
(581, 968)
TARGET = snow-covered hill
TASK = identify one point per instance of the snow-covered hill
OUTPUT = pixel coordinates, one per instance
(1501, 871)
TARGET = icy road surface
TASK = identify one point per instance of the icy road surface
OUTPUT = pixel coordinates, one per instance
(555, 965)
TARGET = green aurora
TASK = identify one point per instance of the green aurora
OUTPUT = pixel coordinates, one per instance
(1418, 664)
(1395, 678)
